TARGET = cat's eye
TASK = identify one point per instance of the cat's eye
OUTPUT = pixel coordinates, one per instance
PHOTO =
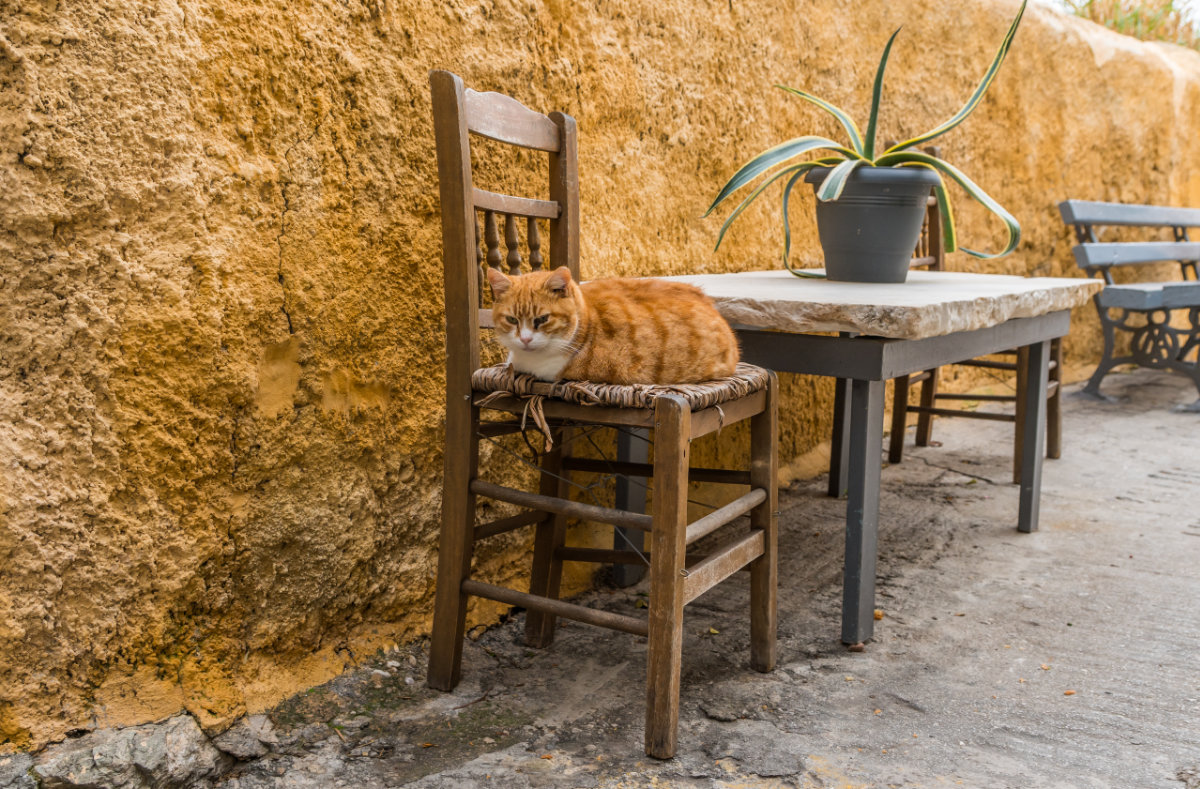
(511, 320)
(538, 321)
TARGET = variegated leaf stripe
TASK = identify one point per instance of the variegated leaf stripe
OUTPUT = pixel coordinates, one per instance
(762, 187)
(831, 188)
(773, 156)
(949, 234)
(876, 95)
(976, 97)
(856, 139)
(970, 187)
(787, 226)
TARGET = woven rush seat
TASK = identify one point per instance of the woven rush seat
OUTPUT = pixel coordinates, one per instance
(746, 379)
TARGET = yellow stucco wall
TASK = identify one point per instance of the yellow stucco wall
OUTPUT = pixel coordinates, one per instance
(220, 285)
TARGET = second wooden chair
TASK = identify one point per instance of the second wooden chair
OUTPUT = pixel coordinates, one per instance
(930, 255)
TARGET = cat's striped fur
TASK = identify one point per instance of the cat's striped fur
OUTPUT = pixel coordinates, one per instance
(620, 331)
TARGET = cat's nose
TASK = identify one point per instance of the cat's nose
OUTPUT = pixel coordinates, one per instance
(526, 337)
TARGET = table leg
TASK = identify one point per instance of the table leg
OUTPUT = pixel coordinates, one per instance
(632, 446)
(862, 510)
(839, 454)
(1034, 433)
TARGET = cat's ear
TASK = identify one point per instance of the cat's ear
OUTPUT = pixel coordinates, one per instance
(499, 282)
(559, 281)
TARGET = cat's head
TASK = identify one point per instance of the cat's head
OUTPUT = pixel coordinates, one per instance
(535, 311)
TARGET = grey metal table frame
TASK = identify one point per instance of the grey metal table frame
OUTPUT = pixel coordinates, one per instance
(863, 365)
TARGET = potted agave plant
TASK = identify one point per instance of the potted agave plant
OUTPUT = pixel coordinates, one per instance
(870, 203)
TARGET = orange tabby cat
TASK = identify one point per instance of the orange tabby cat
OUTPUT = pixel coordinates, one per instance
(619, 331)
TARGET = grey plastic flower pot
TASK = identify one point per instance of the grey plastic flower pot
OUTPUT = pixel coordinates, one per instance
(869, 233)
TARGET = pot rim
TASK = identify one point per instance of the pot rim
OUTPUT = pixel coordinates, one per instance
(871, 174)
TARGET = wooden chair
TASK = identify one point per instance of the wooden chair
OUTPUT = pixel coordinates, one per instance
(677, 414)
(929, 255)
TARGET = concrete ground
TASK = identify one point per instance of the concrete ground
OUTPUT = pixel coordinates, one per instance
(1065, 658)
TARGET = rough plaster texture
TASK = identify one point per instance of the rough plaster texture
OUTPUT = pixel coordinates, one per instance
(220, 320)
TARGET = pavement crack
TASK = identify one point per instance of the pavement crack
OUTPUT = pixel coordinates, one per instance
(957, 471)
(907, 702)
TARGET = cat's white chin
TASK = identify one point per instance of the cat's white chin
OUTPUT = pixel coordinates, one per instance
(546, 364)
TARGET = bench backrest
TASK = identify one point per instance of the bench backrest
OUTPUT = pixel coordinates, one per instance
(1098, 257)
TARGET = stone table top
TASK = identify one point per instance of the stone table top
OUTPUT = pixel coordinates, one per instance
(929, 304)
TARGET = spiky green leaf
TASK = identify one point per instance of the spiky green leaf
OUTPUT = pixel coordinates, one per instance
(787, 226)
(949, 234)
(787, 233)
(831, 188)
(802, 168)
(856, 138)
(876, 95)
(913, 158)
(772, 157)
(976, 97)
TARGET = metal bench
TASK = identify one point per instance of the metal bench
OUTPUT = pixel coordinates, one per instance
(1158, 338)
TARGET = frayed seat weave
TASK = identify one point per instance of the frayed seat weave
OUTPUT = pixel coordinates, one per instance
(500, 380)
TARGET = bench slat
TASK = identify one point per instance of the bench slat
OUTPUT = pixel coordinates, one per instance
(1144, 296)
(1181, 294)
(1103, 255)
(1088, 212)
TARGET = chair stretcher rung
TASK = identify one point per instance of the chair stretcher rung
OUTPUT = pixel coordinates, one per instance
(998, 398)
(574, 509)
(600, 555)
(1051, 388)
(579, 613)
(507, 524)
(497, 429)
(920, 409)
(570, 553)
(595, 466)
(722, 564)
(718, 518)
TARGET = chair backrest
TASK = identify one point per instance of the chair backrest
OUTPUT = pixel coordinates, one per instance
(930, 253)
(459, 113)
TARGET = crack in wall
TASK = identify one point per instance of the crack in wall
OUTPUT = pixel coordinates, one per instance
(283, 212)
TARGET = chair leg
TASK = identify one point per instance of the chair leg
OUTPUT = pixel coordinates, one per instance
(924, 419)
(546, 574)
(839, 452)
(457, 543)
(1054, 404)
(672, 429)
(899, 419)
(1019, 433)
(764, 433)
